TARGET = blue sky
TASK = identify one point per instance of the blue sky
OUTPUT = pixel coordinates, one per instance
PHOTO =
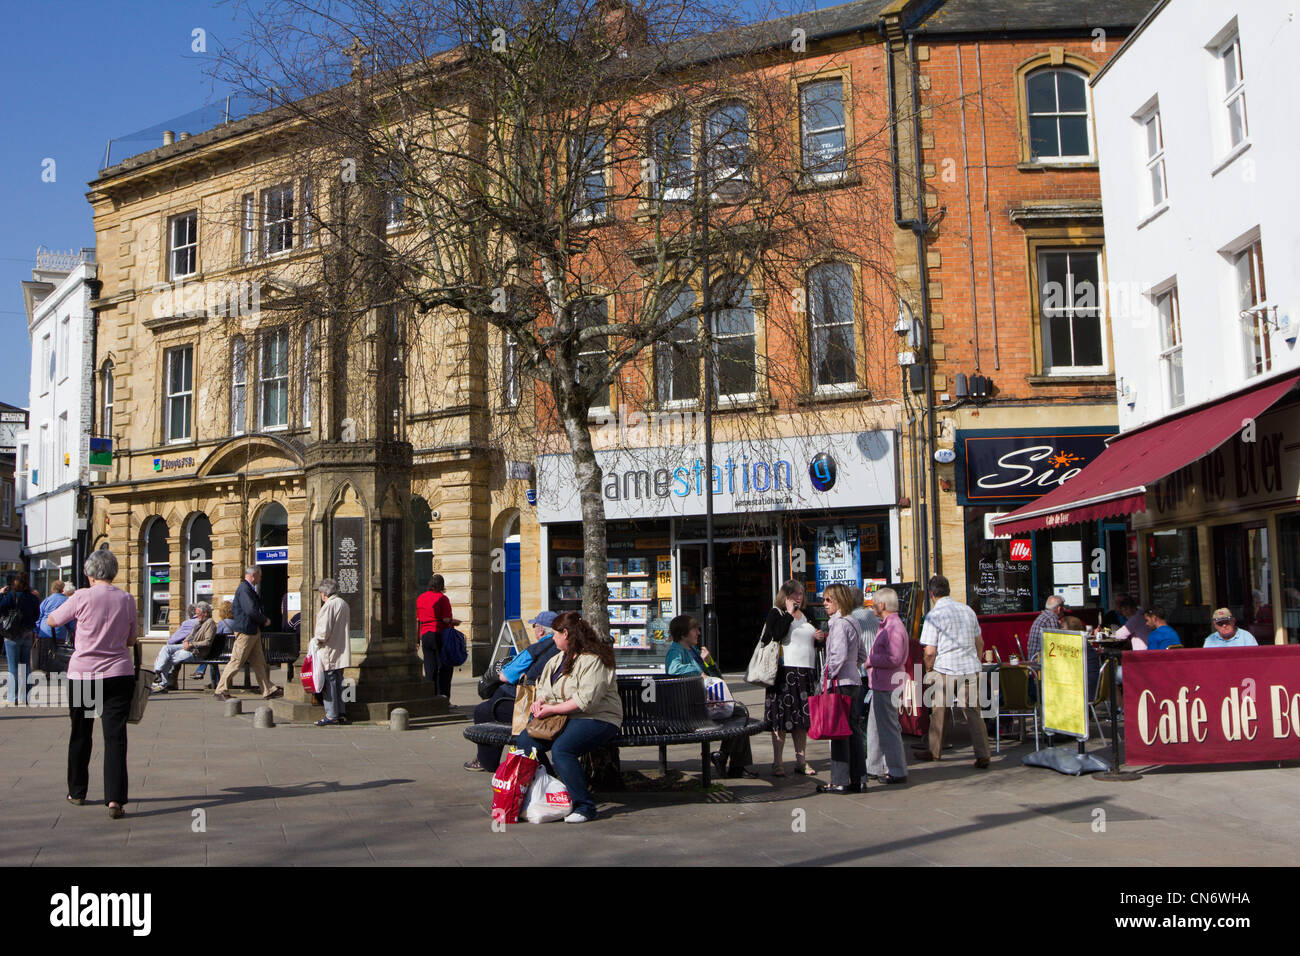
(75, 74)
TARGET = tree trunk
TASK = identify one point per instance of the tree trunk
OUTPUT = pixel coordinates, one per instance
(587, 472)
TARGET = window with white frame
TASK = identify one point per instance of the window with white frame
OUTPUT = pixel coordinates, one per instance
(277, 220)
(308, 359)
(65, 346)
(677, 358)
(180, 392)
(1153, 136)
(394, 197)
(183, 245)
(1234, 90)
(673, 153)
(587, 171)
(308, 204)
(7, 503)
(238, 386)
(511, 387)
(1056, 101)
(830, 313)
(734, 337)
(824, 134)
(1252, 302)
(1171, 345)
(273, 379)
(46, 371)
(1070, 310)
(248, 230)
(41, 476)
(593, 357)
(65, 458)
(106, 415)
(726, 148)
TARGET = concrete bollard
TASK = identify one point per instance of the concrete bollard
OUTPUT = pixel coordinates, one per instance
(234, 708)
(399, 719)
(263, 717)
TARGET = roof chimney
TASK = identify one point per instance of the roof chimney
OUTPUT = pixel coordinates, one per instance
(184, 136)
(169, 137)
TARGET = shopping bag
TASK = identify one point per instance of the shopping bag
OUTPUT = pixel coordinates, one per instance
(140, 696)
(524, 698)
(548, 799)
(308, 674)
(763, 662)
(717, 698)
(42, 653)
(510, 785)
(829, 714)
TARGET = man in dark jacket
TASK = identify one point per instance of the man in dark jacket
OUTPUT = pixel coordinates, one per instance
(248, 619)
(500, 707)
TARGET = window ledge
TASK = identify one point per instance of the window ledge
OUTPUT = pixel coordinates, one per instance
(166, 323)
(1104, 378)
(1154, 214)
(1032, 167)
(837, 395)
(813, 183)
(1231, 157)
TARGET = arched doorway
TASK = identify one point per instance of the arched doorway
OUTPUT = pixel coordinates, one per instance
(271, 554)
(511, 583)
(198, 560)
(157, 574)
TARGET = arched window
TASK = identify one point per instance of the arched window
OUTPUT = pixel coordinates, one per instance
(1056, 101)
(271, 554)
(238, 386)
(735, 370)
(198, 560)
(106, 411)
(157, 574)
(830, 316)
(422, 532)
(726, 148)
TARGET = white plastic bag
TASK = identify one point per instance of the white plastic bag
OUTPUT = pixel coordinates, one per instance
(718, 699)
(548, 799)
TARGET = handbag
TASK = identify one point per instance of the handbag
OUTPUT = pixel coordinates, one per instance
(42, 653)
(140, 695)
(829, 714)
(764, 662)
(489, 683)
(548, 728)
(524, 698)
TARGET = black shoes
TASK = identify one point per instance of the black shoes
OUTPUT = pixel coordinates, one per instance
(838, 789)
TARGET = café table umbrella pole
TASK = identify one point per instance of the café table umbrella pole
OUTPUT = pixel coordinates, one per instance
(1115, 773)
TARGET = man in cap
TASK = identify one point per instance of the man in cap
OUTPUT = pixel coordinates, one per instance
(1227, 634)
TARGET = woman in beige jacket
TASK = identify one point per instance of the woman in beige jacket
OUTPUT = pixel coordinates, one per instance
(578, 682)
(331, 650)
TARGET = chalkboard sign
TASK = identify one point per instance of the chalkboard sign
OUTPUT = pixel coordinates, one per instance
(1003, 586)
(390, 536)
(909, 606)
(1171, 581)
(348, 553)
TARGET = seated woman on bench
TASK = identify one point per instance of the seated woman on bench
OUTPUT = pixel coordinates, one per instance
(685, 656)
(578, 683)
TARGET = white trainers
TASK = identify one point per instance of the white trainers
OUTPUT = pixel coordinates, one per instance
(576, 817)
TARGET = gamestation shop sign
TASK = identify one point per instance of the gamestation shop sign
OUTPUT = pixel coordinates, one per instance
(1013, 466)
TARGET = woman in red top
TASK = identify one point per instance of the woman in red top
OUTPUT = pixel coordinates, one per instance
(433, 616)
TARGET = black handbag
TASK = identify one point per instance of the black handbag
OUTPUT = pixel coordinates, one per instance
(42, 653)
(489, 684)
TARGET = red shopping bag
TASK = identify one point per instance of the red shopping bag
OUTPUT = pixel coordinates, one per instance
(510, 785)
(829, 713)
(308, 675)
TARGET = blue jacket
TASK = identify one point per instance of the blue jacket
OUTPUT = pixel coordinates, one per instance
(529, 662)
(48, 605)
(248, 617)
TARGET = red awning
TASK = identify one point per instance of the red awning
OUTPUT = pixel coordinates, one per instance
(1116, 481)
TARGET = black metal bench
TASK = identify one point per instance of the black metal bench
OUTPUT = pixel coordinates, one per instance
(278, 647)
(658, 711)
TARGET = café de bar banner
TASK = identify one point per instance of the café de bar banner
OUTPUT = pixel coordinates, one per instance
(1228, 705)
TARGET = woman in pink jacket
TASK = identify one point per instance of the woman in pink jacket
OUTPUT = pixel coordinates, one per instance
(886, 672)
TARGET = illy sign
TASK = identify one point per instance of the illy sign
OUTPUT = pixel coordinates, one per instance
(1022, 549)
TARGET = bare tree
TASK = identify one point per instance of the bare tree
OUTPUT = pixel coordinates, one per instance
(604, 186)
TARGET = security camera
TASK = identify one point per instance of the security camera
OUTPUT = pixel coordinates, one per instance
(436, 515)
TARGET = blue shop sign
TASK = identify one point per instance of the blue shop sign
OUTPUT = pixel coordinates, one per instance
(272, 556)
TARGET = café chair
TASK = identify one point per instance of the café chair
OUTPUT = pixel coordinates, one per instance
(1013, 682)
(1101, 698)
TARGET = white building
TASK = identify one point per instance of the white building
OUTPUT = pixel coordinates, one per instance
(53, 452)
(1198, 130)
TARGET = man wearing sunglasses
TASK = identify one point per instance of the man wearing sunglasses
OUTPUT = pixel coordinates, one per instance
(1227, 634)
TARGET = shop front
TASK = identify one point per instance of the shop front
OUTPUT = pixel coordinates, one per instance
(1213, 497)
(999, 470)
(821, 508)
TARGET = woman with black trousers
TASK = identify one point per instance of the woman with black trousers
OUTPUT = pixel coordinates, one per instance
(101, 678)
(845, 654)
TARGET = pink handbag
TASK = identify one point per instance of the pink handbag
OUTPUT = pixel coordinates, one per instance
(829, 712)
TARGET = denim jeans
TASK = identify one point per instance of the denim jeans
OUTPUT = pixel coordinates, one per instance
(168, 657)
(19, 655)
(332, 694)
(581, 735)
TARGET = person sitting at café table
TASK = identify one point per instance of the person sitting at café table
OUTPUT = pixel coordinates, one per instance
(1162, 636)
(1227, 634)
(1135, 627)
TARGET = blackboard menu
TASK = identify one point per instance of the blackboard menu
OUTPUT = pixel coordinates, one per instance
(1171, 570)
(348, 561)
(1000, 585)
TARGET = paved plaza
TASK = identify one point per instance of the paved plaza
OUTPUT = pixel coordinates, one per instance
(212, 790)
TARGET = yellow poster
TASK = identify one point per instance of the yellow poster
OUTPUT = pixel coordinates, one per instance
(664, 575)
(1065, 683)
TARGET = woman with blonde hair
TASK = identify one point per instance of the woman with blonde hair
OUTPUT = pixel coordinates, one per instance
(844, 656)
(785, 704)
